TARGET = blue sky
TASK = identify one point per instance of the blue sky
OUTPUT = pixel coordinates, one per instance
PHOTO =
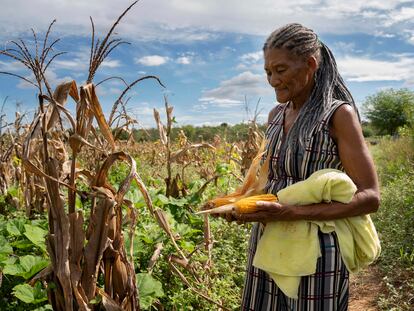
(207, 52)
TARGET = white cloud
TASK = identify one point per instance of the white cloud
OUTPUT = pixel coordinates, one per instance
(383, 34)
(13, 66)
(251, 62)
(111, 63)
(220, 102)
(185, 20)
(152, 60)
(143, 112)
(364, 69)
(78, 61)
(70, 64)
(341, 48)
(52, 77)
(253, 57)
(404, 14)
(245, 82)
(184, 60)
(103, 91)
(232, 92)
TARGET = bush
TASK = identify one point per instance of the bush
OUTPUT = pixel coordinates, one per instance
(393, 157)
(388, 110)
(394, 220)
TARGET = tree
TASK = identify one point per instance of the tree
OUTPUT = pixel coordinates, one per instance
(389, 109)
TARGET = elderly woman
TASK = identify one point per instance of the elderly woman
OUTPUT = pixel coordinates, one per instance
(315, 126)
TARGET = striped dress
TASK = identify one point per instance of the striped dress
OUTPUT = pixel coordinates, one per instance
(327, 289)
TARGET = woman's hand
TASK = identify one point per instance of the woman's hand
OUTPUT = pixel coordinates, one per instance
(266, 211)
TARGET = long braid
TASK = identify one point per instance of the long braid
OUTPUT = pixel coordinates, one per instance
(329, 85)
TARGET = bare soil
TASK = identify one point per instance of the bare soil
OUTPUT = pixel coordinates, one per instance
(365, 288)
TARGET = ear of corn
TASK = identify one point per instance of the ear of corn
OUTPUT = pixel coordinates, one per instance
(245, 197)
(243, 206)
(248, 205)
(254, 181)
(228, 199)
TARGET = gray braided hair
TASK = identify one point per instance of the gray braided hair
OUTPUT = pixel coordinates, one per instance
(329, 85)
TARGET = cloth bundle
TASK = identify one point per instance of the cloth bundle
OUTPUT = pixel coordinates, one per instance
(288, 250)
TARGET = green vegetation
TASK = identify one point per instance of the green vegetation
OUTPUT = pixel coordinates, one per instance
(22, 256)
(23, 251)
(231, 133)
(174, 270)
(389, 110)
(394, 220)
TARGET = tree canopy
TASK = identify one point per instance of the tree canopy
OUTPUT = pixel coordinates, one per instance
(390, 109)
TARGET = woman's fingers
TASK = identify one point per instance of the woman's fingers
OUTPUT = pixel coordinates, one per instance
(265, 205)
(252, 217)
(229, 217)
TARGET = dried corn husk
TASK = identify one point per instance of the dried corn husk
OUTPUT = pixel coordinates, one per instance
(253, 183)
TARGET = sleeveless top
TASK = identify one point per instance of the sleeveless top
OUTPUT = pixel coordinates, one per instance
(319, 151)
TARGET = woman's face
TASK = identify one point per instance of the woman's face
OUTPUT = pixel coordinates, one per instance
(291, 76)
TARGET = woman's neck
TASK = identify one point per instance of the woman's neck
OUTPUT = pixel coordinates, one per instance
(298, 102)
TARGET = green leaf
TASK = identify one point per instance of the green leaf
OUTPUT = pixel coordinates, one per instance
(32, 265)
(178, 202)
(10, 260)
(13, 269)
(23, 244)
(149, 289)
(222, 168)
(162, 198)
(28, 266)
(5, 248)
(15, 227)
(134, 195)
(36, 235)
(29, 294)
(96, 300)
(188, 246)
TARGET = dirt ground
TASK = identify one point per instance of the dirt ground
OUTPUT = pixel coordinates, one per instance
(365, 288)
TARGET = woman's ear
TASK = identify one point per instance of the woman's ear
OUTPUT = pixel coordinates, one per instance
(312, 63)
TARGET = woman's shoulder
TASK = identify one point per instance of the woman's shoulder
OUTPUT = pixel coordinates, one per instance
(338, 107)
(344, 119)
(342, 109)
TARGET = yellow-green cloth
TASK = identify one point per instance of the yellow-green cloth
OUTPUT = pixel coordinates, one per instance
(288, 250)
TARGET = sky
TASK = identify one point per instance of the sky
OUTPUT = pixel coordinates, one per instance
(207, 53)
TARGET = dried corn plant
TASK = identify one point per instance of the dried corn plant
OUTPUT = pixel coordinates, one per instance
(11, 137)
(179, 156)
(6, 150)
(79, 257)
(254, 138)
(90, 267)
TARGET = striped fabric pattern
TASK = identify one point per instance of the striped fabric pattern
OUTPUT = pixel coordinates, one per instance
(327, 289)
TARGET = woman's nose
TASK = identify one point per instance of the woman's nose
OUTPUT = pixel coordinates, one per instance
(274, 81)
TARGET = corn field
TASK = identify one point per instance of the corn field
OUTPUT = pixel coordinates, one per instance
(105, 223)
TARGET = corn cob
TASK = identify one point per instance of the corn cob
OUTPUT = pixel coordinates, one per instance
(244, 205)
(248, 205)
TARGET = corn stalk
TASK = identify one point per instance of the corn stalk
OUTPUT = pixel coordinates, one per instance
(172, 183)
(84, 249)
(255, 136)
(79, 257)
